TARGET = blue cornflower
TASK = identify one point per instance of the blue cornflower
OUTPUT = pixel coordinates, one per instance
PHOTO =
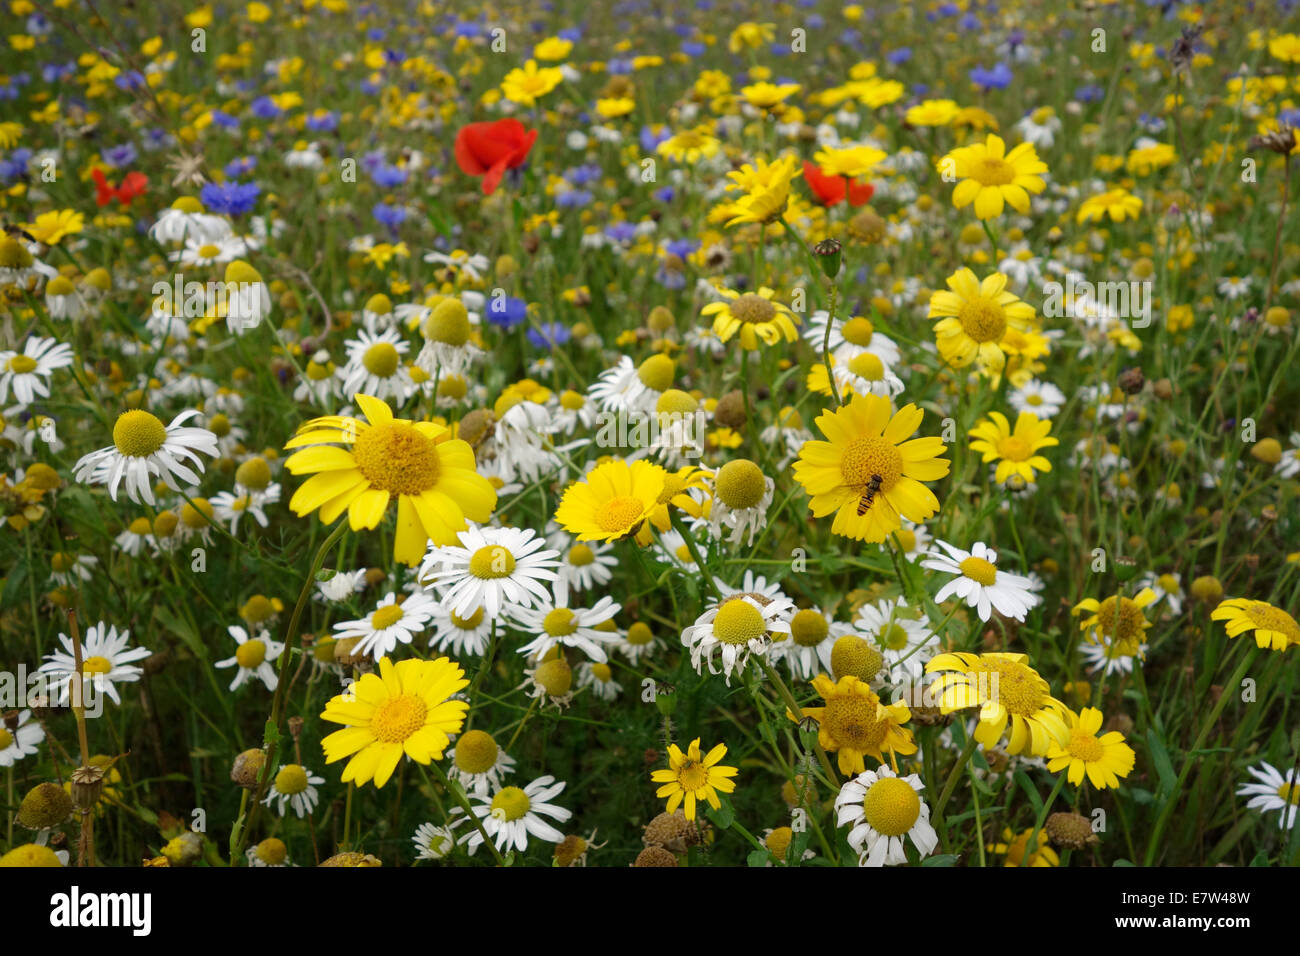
(231, 199)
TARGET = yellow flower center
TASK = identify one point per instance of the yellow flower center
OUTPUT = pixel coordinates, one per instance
(868, 456)
(381, 359)
(396, 458)
(1018, 689)
(555, 677)
(1084, 747)
(684, 554)
(291, 779)
(254, 473)
(639, 633)
(137, 434)
(753, 309)
(258, 608)
(208, 251)
(6, 739)
(386, 616)
(858, 331)
(398, 718)
(738, 622)
(559, 622)
(657, 372)
(571, 401)
(1123, 626)
(581, 555)
(809, 628)
(1014, 448)
(510, 804)
(22, 364)
(96, 665)
(692, 776)
(991, 171)
(602, 672)
(906, 538)
(740, 484)
(852, 656)
(476, 752)
(219, 425)
(492, 561)
(467, 623)
(1269, 618)
(250, 654)
(891, 806)
(778, 841)
(272, 851)
(852, 720)
(979, 570)
(620, 513)
(893, 637)
(868, 366)
(983, 319)
(1289, 792)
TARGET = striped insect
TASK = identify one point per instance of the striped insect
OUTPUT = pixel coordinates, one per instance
(869, 495)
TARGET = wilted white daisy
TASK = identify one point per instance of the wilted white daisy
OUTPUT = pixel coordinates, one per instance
(633, 388)
(979, 582)
(270, 852)
(389, 624)
(490, 569)
(478, 762)
(135, 536)
(883, 809)
(66, 568)
(912, 539)
(741, 497)
(144, 449)
(253, 657)
(1273, 792)
(904, 642)
(740, 625)
(340, 585)
(513, 813)
(62, 300)
(573, 410)
(106, 660)
(554, 623)
(19, 739)
(28, 372)
(294, 786)
(599, 677)
(433, 842)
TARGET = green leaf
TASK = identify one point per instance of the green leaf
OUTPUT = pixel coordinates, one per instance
(724, 817)
(943, 859)
(758, 858)
(271, 735)
(1123, 862)
(1163, 765)
(1260, 859)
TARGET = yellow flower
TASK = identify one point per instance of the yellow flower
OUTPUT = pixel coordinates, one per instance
(932, 113)
(11, 135)
(974, 318)
(868, 473)
(1274, 628)
(693, 777)
(1104, 759)
(765, 96)
(689, 146)
(1007, 691)
(432, 475)
(851, 161)
(751, 36)
(1119, 204)
(674, 495)
(1014, 846)
(1016, 448)
(754, 315)
(1145, 161)
(854, 723)
(50, 227)
(990, 176)
(1285, 48)
(527, 84)
(612, 501)
(1118, 623)
(404, 709)
(766, 188)
(258, 12)
(553, 48)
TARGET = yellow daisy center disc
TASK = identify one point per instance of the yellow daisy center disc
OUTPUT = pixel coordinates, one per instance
(692, 776)
(250, 654)
(467, 623)
(740, 484)
(983, 319)
(137, 434)
(1018, 689)
(809, 628)
(22, 364)
(991, 171)
(1289, 792)
(559, 622)
(640, 633)
(858, 331)
(1269, 618)
(96, 665)
(738, 622)
(1124, 626)
(868, 366)
(510, 804)
(852, 721)
(581, 555)
(853, 656)
(869, 456)
(386, 616)
(381, 359)
(492, 561)
(476, 752)
(891, 806)
(398, 718)
(1085, 747)
(1014, 448)
(272, 851)
(291, 779)
(619, 513)
(979, 570)
(396, 458)
(753, 309)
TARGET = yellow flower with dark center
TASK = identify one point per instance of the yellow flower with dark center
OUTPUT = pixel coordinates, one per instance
(754, 316)
(1007, 691)
(1117, 622)
(691, 777)
(432, 475)
(974, 317)
(403, 710)
(1104, 759)
(1015, 450)
(1274, 628)
(855, 724)
(990, 177)
(612, 501)
(868, 473)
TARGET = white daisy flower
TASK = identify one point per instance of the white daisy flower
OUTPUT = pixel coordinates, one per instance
(904, 642)
(1273, 792)
(479, 763)
(1041, 398)
(585, 565)
(884, 809)
(600, 678)
(850, 338)
(460, 636)
(490, 569)
(135, 536)
(1288, 465)
(183, 222)
(1109, 657)
(28, 372)
(742, 624)
(253, 657)
(1168, 587)
(913, 539)
(433, 842)
(554, 623)
(341, 585)
(209, 252)
(105, 662)
(374, 366)
(294, 786)
(229, 508)
(143, 449)
(813, 633)
(513, 813)
(979, 583)
(389, 624)
(627, 387)
(19, 739)
(638, 641)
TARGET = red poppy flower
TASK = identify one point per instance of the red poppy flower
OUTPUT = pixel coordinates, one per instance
(829, 190)
(133, 184)
(489, 149)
